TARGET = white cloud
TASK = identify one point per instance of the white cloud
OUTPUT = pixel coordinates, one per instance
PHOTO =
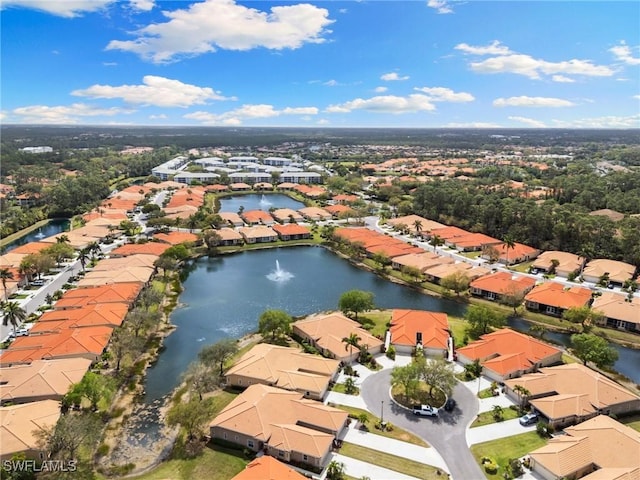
(533, 68)
(3, 115)
(440, 5)
(632, 121)
(393, 77)
(323, 121)
(442, 94)
(142, 5)
(161, 116)
(473, 125)
(331, 83)
(206, 26)
(524, 101)
(156, 91)
(637, 97)
(528, 121)
(380, 89)
(562, 79)
(386, 104)
(247, 112)
(109, 64)
(494, 48)
(622, 52)
(60, 8)
(63, 113)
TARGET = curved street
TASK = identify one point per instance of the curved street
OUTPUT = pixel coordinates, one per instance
(446, 433)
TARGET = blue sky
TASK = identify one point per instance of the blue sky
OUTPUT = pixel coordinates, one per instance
(423, 64)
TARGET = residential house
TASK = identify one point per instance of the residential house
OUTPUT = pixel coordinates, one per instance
(613, 271)
(391, 248)
(40, 379)
(240, 187)
(420, 261)
(282, 424)
(284, 367)
(268, 468)
(562, 264)
(598, 449)
(409, 221)
(258, 234)
(511, 255)
(102, 314)
(229, 236)
(232, 218)
(292, 231)
(118, 263)
(499, 285)
(618, 311)
(315, 213)
(125, 293)
(344, 199)
(286, 215)
(553, 298)
(506, 354)
(106, 277)
(257, 217)
(447, 233)
(472, 242)
(176, 237)
(18, 424)
(437, 273)
(429, 331)
(327, 331)
(339, 210)
(147, 248)
(573, 393)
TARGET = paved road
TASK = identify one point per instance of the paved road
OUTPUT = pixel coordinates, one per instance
(447, 434)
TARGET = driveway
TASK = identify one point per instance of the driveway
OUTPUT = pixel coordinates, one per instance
(447, 434)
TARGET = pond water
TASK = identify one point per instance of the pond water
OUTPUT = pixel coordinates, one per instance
(224, 296)
(258, 202)
(52, 228)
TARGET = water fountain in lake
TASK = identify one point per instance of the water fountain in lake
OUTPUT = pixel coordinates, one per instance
(264, 202)
(40, 234)
(279, 275)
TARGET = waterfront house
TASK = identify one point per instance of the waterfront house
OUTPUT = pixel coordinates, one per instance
(258, 234)
(499, 285)
(292, 231)
(553, 298)
(18, 424)
(411, 329)
(565, 263)
(619, 312)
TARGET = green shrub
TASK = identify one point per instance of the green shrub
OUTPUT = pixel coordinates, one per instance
(491, 468)
(391, 352)
(102, 450)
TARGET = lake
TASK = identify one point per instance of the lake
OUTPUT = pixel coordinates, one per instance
(52, 228)
(258, 202)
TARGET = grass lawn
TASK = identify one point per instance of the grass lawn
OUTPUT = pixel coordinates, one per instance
(215, 463)
(421, 396)
(339, 387)
(486, 393)
(632, 421)
(376, 321)
(397, 433)
(471, 254)
(485, 418)
(392, 462)
(18, 296)
(504, 449)
(523, 267)
(458, 327)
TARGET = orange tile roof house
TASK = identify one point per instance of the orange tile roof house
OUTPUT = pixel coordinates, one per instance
(410, 220)
(284, 367)
(31, 247)
(518, 254)
(118, 263)
(176, 238)
(618, 311)
(96, 278)
(40, 379)
(125, 293)
(282, 424)
(553, 298)
(421, 261)
(472, 242)
(228, 236)
(326, 331)
(315, 213)
(448, 233)
(392, 248)
(506, 354)
(568, 263)
(291, 231)
(148, 248)
(102, 314)
(337, 210)
(87, 342)
(598, 449)
(268, 468)
(573, 393)
(500, 284)
(420, 328)
(232, 218)
(257, 217)
(437, 273)
(239, 187)
(284, 215)
(18, 423)
(618, 272)
(343, 199)
(258, 234)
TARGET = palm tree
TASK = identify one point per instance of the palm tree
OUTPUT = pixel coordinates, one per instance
(436, 241)
(509, 243)
(83, 256)
(418, 226)
(351, 341)
(5, 274)
(94, 248)
(14, 314)
(64, 238)
(523, 393)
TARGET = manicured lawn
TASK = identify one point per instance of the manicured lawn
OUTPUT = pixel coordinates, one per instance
(18, 296)
(485, 418)
(523, 267)
(486, 393)
(421, 396)
(504, 449)
(633, 422)
(392, 462)
(396, 433)
(458, 326)
(376, 321)
(339, 388)
(215, 463)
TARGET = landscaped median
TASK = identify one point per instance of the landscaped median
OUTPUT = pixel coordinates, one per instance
(502, 450)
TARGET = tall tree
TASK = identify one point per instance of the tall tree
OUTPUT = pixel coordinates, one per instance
(591, 348)
(417, 225)
(218, 353)
(192, 415)
(407, 377)
(435, 242)
(201, 378)
(509, 244)
(14, 314)
(5, 274)
(437, 373)
(481, 319)
(355, 302)
(584, 316)
(457, 281)
(353, 340)
(275, 323)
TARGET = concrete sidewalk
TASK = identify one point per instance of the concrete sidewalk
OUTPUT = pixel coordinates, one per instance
(358, 469)
(426, 455)
(344, 399)
(486, 404)
(496, 430)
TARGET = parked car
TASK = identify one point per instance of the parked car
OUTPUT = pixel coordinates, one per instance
(450, 405)
(529, 419)
(37, 283)
(425, 410)
(20, 332)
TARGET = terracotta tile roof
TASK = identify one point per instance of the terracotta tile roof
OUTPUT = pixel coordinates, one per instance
(473, 240)
(291, 229)
(519, 252)
(284, 367)
(227, 234)
(506, 342)
(74, 342)
(610, 214)
(448, 233)
(600, 441)
(118, 292)
(263, 186)
(434, 326)
(568, 262)
(175, 238)
(422, 261)
(239, 186)
(31, 247)
(345, 198)
(258, 232)
(117, 263)
(327, 331)
(555, 295)
(618, 271)
(268, 468)
(446, 269)
(11, 259)
(105, 314)
(616, 307)
(105, 277)
(503, 283)
(217, 188)
(260, 409)
(41, 379)
(257, 216)
(148, 248)
(294, 438)
(338, 209)
(231, 217)
(409, 221)
(18, 423)
(315, 212)
(284, 214)
(393, 249)
(287, 186)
